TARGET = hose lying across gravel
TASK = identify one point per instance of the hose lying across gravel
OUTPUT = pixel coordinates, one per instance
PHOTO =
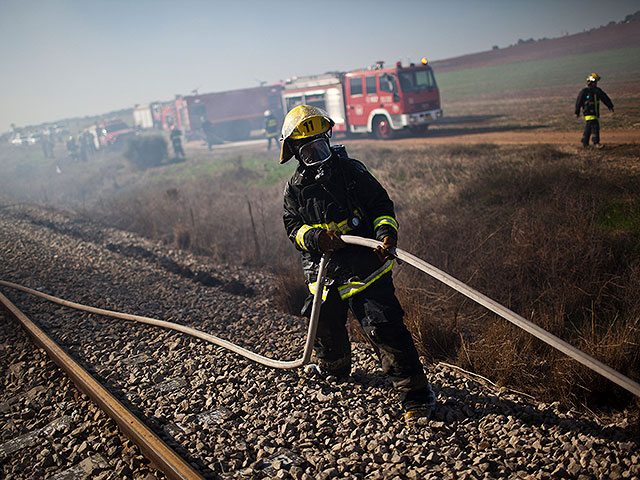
(416, 262)
(311, 331)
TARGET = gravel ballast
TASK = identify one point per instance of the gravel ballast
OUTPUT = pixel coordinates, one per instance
(49, 428)
(232, 418)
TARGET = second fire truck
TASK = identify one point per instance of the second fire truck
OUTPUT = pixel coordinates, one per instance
(377, 100)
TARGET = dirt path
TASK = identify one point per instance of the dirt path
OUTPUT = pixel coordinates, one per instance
(460, 135)
(450, 134)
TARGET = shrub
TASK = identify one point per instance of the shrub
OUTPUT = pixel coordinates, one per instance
(146, 151)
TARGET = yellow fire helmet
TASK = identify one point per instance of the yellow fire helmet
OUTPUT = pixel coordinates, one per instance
(303, 121)
(593, 78)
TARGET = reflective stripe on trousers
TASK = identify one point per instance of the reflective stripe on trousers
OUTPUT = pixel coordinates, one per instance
(351, 288)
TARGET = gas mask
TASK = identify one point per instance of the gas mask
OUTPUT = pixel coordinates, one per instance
(315, 152)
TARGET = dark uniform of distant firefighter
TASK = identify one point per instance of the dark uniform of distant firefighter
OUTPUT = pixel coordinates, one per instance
(176, 141)
(270, 128)
(207, 128)
(589, 101)
(328, 195)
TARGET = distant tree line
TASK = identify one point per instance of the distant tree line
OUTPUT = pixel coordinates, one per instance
(634, 17)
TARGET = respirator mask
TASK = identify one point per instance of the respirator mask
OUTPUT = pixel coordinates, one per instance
(315, 152)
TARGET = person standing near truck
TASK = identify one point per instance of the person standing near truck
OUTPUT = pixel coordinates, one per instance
(589, 102)
(328, 195)
(176, 141)
(207, 129)
(270, 128)
(72, 147)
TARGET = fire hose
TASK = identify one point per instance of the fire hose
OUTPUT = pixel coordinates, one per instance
(269, 362)
(402, 255)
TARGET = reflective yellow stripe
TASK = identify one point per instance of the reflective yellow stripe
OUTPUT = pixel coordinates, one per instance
(332, 225)
(300, 236)
(352, 288)
(342, 227)
(312, 289)
(590, 117)
(385, 220)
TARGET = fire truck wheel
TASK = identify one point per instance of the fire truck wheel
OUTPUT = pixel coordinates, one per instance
(382, 129)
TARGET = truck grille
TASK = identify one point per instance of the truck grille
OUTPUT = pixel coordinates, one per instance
(421, 107)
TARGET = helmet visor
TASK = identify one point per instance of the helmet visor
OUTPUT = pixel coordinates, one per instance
(315, 152)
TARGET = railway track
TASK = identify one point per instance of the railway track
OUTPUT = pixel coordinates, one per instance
(85, 459)
(230, 418)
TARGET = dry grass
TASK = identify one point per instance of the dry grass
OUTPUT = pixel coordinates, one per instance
(551, 234)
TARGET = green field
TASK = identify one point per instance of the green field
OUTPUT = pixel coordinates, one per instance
(541, 94)
(615, 66)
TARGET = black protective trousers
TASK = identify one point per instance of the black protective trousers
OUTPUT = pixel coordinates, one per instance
(591, 129)
(380, 314)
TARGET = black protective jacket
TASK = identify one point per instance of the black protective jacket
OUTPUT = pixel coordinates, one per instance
(589, 101)
(351, 201)
(271, 126)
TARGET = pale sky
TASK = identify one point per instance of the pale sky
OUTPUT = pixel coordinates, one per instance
(72, 58)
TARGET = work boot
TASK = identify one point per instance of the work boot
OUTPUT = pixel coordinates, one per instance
(318, 372)
(598, 145)
(312, 370)
(419, 404)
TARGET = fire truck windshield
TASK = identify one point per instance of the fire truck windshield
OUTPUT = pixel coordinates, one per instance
(415, 80)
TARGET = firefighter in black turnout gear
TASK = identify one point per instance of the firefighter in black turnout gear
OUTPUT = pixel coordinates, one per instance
(589, 101)
(176, 141)
(270, 128)
(328, 195)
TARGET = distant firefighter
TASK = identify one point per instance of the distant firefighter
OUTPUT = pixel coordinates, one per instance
(84, 147)
(89, 140)
(207, 129)
(589, 101)
(45, 145)
(51, 141)
(72, 147)
(176, 141)
(270, 128)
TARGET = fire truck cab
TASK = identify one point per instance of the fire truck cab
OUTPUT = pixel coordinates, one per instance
(376, 100)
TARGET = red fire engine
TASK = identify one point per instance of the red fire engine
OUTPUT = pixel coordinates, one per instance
(376, 100)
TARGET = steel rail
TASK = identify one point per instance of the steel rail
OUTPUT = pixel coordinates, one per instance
(269, 362)
(158, 452)
(507, 314)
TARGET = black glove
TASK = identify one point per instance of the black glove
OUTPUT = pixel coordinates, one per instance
(386, 251)
(329, 241)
